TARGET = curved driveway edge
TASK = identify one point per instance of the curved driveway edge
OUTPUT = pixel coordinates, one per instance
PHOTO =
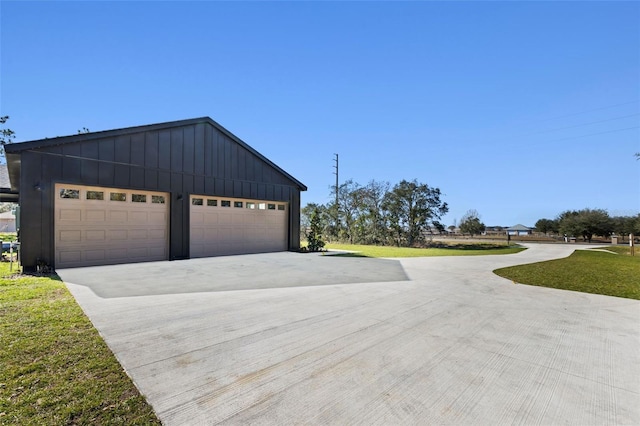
(455, 344)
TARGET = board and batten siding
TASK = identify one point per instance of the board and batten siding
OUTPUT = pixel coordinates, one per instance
(192, 159)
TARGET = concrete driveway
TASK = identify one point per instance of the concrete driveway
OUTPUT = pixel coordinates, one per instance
(418, 341)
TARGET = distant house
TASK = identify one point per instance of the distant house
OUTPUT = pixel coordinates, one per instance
(519, 230)
(494, 230)
(7, 195)
(7, 222)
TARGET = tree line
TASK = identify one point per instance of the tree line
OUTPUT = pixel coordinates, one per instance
(586, 223)
(378, 213)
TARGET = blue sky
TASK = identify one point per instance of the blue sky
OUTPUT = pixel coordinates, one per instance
(519, 110)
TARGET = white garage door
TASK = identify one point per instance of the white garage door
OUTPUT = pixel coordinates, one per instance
(221, 226)
(101, 226)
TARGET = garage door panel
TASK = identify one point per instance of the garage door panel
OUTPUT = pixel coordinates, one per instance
(94, 255)
(209, 234)
(117, 234)
(69, 214)
(138, 217)
(156, 234)
(97, 236)
(97, 232)
(156, 251)
(118, 216)
(95, 215)
(210, 219)
(157, 217)
(138, 234)
(138, 252)
(197, 218)
(70, 236)
(70, 256)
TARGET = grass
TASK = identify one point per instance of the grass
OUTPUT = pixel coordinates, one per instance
(8, 236)
(451, 250)
(586, 271)
(55, 367)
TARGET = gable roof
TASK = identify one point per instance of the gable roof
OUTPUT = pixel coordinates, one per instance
(518, 227)
(13, 150)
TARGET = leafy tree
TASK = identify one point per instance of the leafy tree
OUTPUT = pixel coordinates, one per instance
(6, 135)
(370, 224)
(547, 226)
(349, 204)
(585, 223)
(314, 236)
(625, 225)
(409, 208)
(305, 217)
(568, 223)
(439, 227)
(470, 223)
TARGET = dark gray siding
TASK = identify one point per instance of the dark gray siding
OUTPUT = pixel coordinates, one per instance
(192, 159)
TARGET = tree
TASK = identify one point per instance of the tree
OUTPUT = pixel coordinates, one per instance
(546, 226)
(370, 223)
(314, 236)
(305, 217)
(349, 204)
(470, 223)
(409, 207)
(6, 135)
(585, 223)
(625, 225)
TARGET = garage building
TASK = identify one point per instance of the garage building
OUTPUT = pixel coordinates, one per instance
(165, 191)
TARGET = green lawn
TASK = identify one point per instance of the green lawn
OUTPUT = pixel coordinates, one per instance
(453, 250)
(586, 271)
(54, 366)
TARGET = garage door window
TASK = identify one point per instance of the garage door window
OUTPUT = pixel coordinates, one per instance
(280, 206)
(251, 205)
(139, 198)
(95, 195)
(196, 201)
(157, 199)
(237, 204)
(118, 196)
(70, 193)
(212, 203)
(262, 206)
(226, 203)
(271, 206)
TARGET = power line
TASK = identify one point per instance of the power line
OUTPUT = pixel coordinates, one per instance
(586, 124)
(594, 134)
(591, 110)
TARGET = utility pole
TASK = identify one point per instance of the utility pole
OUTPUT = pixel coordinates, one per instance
(337, 186)
(336, 173)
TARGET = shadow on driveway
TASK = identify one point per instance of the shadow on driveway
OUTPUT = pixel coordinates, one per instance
(230, 273)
